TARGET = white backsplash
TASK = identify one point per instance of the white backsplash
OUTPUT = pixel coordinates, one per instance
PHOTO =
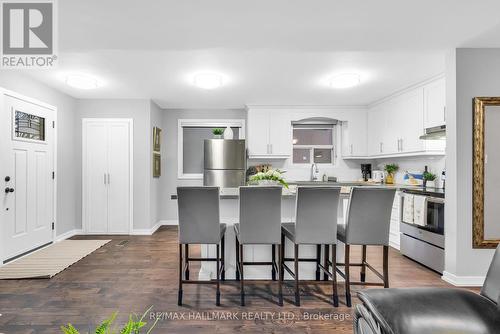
(350, 170)
(435, 165)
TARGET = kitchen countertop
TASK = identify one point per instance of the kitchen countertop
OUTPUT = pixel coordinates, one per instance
(232, 193)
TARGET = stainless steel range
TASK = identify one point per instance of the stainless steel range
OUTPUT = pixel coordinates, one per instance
(422, 237)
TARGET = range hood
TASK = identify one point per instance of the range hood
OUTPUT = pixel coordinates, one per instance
(435, 133)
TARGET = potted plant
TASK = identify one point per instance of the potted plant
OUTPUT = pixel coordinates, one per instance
(390, 169)
(428, 179)
(217, 132)
(269, 177)
(134, 325)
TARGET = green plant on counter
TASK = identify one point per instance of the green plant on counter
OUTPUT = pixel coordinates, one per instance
(217, 131)
(391, 168)
(135, 325)
(271, 175)
(427, 176)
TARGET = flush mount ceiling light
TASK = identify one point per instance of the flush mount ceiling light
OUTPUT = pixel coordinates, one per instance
(344, 80)
(208, 80)
(82, 81)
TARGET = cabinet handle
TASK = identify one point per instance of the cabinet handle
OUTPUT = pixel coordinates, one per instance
(381, 147)
(104, 178)
(271, 148)
(444, 113)
(109, 179)
(401, 144)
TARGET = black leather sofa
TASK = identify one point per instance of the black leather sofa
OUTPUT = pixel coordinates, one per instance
(432, 310)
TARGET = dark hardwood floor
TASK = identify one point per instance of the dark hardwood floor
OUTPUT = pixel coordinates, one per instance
(133, 275)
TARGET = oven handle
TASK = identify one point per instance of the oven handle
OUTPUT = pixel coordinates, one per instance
(438, 200)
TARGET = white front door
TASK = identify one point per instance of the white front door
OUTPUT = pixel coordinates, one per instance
(27, 151)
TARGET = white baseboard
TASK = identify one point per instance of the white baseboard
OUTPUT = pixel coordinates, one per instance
(68, 235)
(462, 280)
(169, 222)
(153, 229)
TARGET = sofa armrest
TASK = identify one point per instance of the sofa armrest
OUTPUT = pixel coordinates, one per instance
(364, 323)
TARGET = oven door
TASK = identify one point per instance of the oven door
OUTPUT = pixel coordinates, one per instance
(435, 215)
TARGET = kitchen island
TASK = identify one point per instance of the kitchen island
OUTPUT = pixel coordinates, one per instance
(229, 214)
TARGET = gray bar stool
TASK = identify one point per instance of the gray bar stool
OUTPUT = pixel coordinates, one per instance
(367, 223)
(315, 224)
(199, 223)
(260, 221)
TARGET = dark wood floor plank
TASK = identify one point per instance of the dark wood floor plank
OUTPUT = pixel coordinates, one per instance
(142, 272)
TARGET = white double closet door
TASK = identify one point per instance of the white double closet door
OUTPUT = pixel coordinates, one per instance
(107, 176)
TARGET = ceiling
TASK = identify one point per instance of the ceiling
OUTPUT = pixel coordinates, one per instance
(271, 52)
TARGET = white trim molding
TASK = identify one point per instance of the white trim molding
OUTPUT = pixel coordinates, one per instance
(153, 229)
(69, 234)
(463, 281)
(206, 123)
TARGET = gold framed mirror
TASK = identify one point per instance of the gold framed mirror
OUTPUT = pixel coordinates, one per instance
(486, 164)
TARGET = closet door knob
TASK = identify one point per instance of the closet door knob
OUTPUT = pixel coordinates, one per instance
(9, 190)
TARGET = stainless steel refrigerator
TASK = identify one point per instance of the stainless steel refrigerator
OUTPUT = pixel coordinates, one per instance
(225, 163)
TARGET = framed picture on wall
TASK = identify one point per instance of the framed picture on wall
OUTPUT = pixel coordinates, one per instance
(156, 164)
(156, 139)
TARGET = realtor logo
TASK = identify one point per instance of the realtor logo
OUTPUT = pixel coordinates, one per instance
(28, 34)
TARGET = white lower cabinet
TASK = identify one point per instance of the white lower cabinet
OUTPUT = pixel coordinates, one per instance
(106, 175)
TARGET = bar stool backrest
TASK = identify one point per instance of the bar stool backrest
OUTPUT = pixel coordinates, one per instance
(199, 221)
(260, 215)
(316, 215)
(369, 216)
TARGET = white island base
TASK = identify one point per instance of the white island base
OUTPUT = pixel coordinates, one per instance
(261, 253)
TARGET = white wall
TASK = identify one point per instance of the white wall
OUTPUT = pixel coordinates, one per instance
(139, 111)
(68, 217)
(470, 73)
(168, 180)
(155, 190)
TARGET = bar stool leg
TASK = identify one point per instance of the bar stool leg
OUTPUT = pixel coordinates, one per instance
(186, 261)
(318, 261)
(223, 258)
(363, 265)
(217, 295)
(386, 266)
(273, 260)
(237, 259)
(280, 278)
(347, 279)
(325, 262)
(179, 295)
(296, 259)
(334, 275)
(242, 279)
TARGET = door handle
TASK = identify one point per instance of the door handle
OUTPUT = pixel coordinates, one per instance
(9, 190)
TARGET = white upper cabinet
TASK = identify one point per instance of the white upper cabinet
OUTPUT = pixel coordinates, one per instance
(435, 104)
(354, 143)
(269, 134)
(376, 129)
(396, 124)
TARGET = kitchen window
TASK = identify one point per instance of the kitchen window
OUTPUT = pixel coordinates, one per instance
(313, 143)
(191, 134)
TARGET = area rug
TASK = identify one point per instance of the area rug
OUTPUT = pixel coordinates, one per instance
(49, 261)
